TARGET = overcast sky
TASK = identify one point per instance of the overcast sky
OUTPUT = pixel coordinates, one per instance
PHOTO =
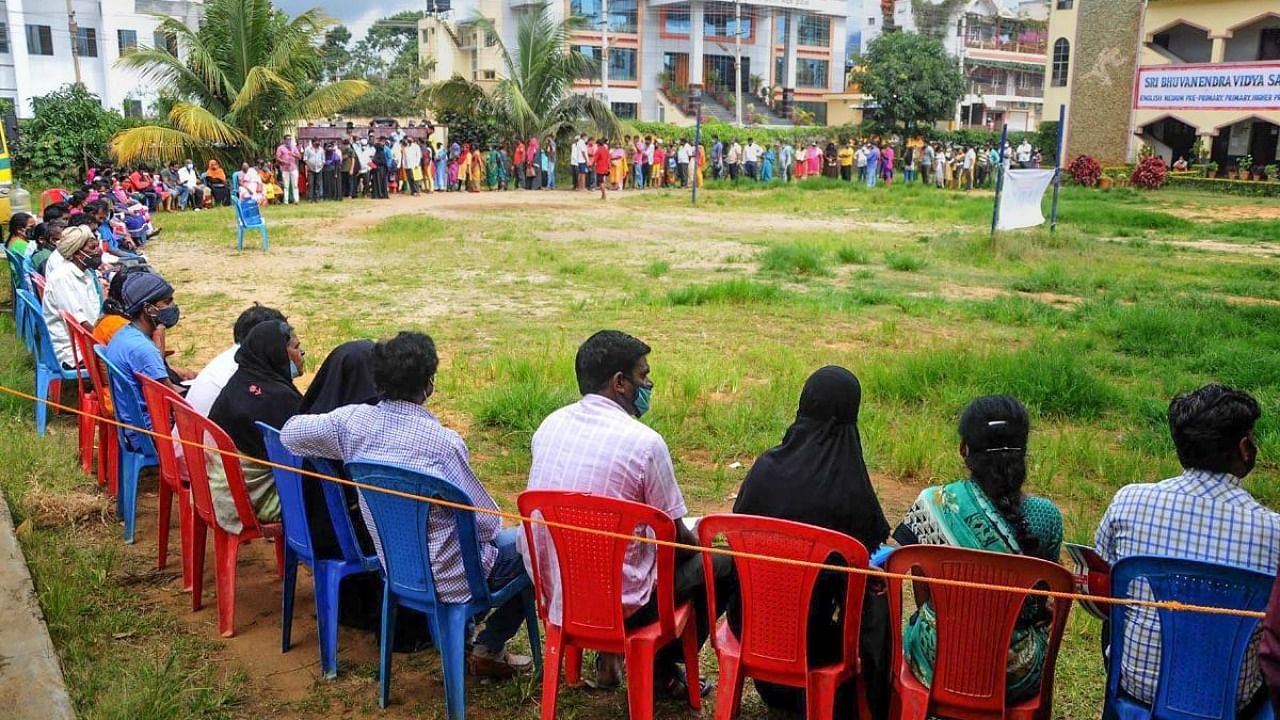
(355, 14)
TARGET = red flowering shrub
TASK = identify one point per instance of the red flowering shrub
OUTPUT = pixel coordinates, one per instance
(1150, 174)
(1085, 171)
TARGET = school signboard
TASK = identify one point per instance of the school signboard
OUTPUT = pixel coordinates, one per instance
(1244, 86)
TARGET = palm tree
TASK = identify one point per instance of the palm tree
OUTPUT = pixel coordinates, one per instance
(249, 71)
(536, 97)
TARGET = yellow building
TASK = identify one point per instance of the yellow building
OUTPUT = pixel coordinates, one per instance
(1167, 73)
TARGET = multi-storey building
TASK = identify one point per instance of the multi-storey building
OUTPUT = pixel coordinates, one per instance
(1167, 73)
(663, 56)
(39, 52)
(1002, 52)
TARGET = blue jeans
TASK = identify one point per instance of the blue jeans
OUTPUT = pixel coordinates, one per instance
(503, 622)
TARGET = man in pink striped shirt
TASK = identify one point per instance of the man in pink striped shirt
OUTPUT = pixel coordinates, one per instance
(597, 445)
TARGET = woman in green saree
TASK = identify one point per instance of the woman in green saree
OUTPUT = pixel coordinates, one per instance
(987, 512)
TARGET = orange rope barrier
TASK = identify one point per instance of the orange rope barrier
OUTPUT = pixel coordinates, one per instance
(869, 572)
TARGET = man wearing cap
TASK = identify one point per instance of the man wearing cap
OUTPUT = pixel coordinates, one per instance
(72, 286)
(148, 303)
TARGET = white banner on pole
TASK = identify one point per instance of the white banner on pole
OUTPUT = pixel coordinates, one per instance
(1020, 202)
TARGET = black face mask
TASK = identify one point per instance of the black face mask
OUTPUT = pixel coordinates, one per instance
(92, 262)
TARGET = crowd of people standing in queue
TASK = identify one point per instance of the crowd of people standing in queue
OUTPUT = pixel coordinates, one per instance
(368, 401)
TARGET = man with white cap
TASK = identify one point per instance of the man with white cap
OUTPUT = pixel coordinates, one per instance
(73, 287)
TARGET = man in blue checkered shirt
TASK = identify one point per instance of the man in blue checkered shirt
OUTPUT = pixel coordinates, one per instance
(1203, 514)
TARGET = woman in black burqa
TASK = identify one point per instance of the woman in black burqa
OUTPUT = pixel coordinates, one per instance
(818, 476)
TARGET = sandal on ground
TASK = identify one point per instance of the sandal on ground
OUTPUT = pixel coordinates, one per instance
(676, 685)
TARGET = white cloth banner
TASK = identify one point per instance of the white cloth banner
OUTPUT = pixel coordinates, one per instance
(1020, 202)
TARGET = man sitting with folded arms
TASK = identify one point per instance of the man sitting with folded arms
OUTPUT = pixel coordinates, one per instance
(598, 445)
(1203, 514)
(72, 286)
(400, 431)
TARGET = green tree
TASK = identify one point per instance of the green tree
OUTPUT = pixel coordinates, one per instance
(335, 56)
(70, 131)
(249, 71)
(912, 79)
(536, 95)
(387, 58)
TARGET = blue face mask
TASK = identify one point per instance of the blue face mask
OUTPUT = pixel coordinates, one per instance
(168, 316)
(643, 399)
(294, 371)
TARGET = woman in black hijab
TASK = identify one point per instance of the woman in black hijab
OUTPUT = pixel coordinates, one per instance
(818, 476)
(830, 162)
(261, 390)
(345, 378)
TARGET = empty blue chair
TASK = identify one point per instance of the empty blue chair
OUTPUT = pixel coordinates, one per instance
(137, 450)
(249, 217)
(18, 280)
(328, 573)
(49, 371)
(1201, 656)
(402, 529)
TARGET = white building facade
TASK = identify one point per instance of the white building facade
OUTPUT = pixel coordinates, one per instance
(39, 53)
(663, 56)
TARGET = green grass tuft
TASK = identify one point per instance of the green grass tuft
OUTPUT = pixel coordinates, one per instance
(738, 291)
(794, 260)
(904, 262)
(852, 255)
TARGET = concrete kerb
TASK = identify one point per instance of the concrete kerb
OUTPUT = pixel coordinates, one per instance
(31, 682)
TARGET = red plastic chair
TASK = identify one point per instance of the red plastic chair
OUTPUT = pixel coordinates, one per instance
(591, 582)
(775, 611)
(160, 400)
(51, 196)
(87, 396)
(82, 344)
(195, 428)
(975, 628)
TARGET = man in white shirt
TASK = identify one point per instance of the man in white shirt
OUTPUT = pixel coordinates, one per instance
(598, 445)
(970, 163)
(411, 159)
(72, 287)
(207, 385)
(733, 159)
(683, 155)
(314, 159)
(860, 158)
(578, 158)
(189, 178)
(751, 158)
(1024, 154)
(364, 155)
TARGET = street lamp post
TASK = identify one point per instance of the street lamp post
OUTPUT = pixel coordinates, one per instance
(737, 59)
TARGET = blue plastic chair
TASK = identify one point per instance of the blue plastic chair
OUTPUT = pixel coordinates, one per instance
(49, 371)
(328, 573)
(18, 280)
(402, 529)
(137, 451)
(1201, 656)
(249, 217)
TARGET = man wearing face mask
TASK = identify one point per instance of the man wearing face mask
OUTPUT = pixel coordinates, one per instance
(147, 301)
(1203, 514)
(287, 157)
(598, 445)
(73, 287)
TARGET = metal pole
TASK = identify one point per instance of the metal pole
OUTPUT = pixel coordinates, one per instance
(995, 210)
(74, 28)
(604, 48)
(1057, 173)
(737, 59)
(697, 144)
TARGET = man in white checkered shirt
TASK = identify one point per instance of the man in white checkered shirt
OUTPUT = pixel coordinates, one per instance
(598, 445)
(1203, 514)
(400, 431)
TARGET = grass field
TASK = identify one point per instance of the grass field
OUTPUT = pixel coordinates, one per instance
(1136, 298)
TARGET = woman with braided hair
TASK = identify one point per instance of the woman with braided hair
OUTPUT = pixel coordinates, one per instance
(987, 512)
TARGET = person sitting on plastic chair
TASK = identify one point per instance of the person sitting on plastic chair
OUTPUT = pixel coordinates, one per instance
(1203, 514)
(400, 431)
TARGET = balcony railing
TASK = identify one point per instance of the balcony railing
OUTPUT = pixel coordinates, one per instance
(1029, 47)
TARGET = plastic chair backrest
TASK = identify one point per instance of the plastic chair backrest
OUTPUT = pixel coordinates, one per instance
(160, 400)
(125, 395)
(974, 626)
(775, 597)
(196, 431)
(590, 566)
(77, 353)
(235, 184)
(293, 507)
(248, 213)
(40, 332)
(1201, 656)
(52, 196)
(84, 343)
(335, 501)
(402, 530)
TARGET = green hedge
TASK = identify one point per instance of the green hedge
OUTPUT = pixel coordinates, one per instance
(1252, 188)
